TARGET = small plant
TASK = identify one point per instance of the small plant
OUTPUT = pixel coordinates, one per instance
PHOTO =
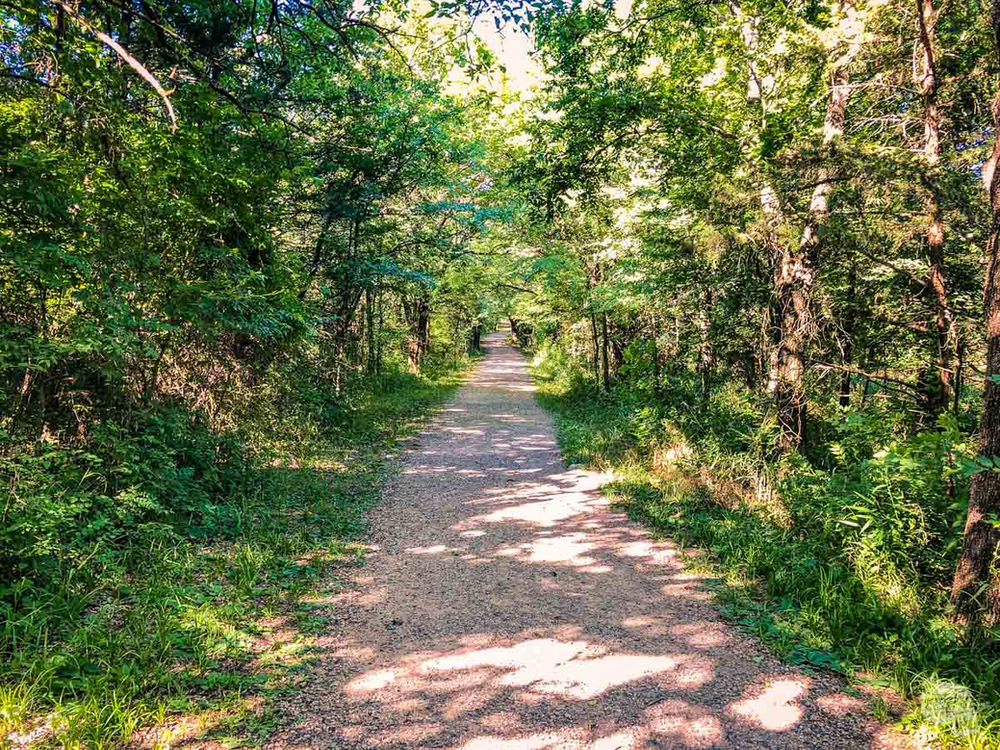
(879, 709)
(950, 707)
(17, 705)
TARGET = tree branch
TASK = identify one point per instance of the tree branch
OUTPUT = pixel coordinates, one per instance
(137, 66)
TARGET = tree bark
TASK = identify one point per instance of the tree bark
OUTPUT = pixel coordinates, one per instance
(317, 257)
(850, 321)
(419, 315)
(796, 269)
(925, 74)
(976, 586)
(595, 338)
(793, 281)
(370, 330)
(342, 332)
(706, 355)
(380, 304)
(657, 363)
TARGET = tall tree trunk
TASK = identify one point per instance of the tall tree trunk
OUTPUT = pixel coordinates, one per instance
(595, 338)
(380, 303)
(419, 339)
(943, 324)
(976, 587)
(847, 354)
(342, 333)
(619, 338)
(959, 371)
(796, 268)
(706, 355)
(370, 330)
(793, 280)
(657, 363)
(317, 257)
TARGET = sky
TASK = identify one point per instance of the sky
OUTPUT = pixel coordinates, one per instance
(513, 49)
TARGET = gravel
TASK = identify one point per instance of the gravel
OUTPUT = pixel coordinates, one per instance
(503, 604)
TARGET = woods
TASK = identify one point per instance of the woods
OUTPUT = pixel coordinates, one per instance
(229, 232)
(753, 248)
(759, 251)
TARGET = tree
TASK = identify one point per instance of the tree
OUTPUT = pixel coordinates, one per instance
(976, 587)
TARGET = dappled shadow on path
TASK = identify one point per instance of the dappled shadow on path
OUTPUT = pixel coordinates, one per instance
(505, 605)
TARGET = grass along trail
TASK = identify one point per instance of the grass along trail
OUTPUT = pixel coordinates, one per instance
(505, 604)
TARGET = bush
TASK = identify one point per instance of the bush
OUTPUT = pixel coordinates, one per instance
(137, 564)
(70, 503)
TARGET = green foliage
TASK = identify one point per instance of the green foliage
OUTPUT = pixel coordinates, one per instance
(232, 237)
(71, 507)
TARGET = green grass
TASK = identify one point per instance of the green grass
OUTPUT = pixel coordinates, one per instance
(186, 625)
(806, 595)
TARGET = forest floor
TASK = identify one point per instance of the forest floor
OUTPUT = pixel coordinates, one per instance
(504, 604)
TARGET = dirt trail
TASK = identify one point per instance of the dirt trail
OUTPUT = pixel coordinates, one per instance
(504, 605)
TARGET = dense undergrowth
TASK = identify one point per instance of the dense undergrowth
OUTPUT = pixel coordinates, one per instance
(839, 559)
(150, 570)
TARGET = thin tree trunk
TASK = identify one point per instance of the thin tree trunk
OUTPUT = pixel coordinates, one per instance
(959, 371)
(618, 343)
(381, 326)
(943, 324)
(605, 364)
(342, 332)
(705, 353)
(419, 339)
(845, 379)
(370, 330)
(850, 321)
(976, 586)
(657, 364)
(597, 348)
(317, 258)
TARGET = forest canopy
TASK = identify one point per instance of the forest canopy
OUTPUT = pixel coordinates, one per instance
(747, 243)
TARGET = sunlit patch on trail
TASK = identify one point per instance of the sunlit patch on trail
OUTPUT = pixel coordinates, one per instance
(776, 706)
(687, 725)
(575, 669)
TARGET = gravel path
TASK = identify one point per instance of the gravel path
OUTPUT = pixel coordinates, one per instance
(504, 605)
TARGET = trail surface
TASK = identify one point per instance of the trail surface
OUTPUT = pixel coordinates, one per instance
(505, 605)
